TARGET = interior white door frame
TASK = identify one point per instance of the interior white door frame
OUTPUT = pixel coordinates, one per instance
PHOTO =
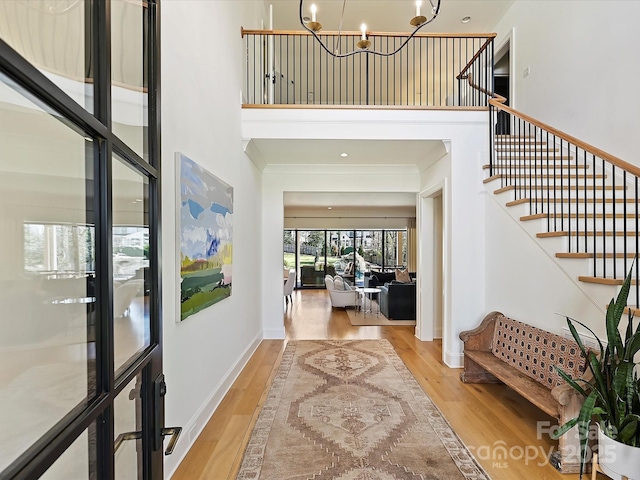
(508, 45)
(428, 297)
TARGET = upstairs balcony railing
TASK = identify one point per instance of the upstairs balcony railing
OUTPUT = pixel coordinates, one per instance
(292, 68)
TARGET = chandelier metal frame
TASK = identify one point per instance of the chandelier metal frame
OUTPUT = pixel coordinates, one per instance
(418, 22)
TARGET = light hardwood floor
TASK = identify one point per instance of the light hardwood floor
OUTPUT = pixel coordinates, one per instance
(486, 417)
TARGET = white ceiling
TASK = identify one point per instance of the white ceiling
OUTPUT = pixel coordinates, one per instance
(348, 200)
(392, 16)
(418, 153)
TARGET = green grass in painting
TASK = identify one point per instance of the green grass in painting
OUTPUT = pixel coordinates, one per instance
(200, 290)
(201, 300)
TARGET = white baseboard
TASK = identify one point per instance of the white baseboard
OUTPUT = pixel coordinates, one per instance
(204, 413)
(454, 360)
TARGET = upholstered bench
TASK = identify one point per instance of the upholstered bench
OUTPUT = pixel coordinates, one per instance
(503, 350)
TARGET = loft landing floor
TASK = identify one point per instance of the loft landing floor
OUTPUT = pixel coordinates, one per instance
(488, 418)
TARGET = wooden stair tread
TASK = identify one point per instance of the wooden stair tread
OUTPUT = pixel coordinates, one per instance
(542, 157)
(589, 201)
(572, 188)
(563, 176)
(588, 233)
(555, 216)
(634, 310)
(538, 167)
(604, 280)
(580, 255)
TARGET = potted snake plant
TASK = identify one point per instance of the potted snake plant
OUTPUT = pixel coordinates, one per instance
(612, 396)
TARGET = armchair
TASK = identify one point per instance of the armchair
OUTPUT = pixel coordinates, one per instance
(341, 298)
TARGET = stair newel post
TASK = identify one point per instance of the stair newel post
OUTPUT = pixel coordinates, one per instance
(561, 191)
(555, 191)
(604, 247)
(593, 201)
(585, 197)
(613, 223)
(569, 230)
(637, 233)
(624, 215)
(577, 205)
(492, 152)
(548, 199)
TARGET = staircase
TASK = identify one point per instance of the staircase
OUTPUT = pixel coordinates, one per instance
(573, 198)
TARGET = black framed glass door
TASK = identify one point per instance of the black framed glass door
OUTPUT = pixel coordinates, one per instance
(81, 386)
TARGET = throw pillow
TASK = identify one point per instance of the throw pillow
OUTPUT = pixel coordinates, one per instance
(339, 283)
(347, 286)
(403, 276)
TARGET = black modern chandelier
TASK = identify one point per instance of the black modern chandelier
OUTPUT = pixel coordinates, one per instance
(311, 24)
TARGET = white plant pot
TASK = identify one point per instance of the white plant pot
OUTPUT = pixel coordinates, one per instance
(617, 459)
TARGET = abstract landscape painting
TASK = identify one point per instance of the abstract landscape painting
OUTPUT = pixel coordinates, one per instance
(206, 235)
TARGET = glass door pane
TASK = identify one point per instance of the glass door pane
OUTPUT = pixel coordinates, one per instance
(77, 461)
(311, 258)
(391, 259)
(53, 35)
(128, 432)
(289, 252)
(341, 252)
(129, 76)
(131, 279)
(47, 279)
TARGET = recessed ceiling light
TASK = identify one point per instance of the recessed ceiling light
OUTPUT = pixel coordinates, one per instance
(466, 19)
(329, 208)
(344, 154)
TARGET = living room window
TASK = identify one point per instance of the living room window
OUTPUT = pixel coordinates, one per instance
(352, 254)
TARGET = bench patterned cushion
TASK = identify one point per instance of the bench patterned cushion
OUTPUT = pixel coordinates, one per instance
(534, 351)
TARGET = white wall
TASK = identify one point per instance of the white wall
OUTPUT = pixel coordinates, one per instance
(584, 58)
(459, 176)
(201, 79)
(525, 283)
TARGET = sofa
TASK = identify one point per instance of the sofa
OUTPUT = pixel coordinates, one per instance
(377, 279)
(398, 300)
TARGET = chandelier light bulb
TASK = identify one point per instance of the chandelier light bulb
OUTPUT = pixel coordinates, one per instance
(363, 29)
(418, 4)
(314, 9)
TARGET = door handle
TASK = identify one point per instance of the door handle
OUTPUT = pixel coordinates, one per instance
(125, 436)
(174, 432)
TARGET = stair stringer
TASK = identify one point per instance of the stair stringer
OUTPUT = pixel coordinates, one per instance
(587, 301)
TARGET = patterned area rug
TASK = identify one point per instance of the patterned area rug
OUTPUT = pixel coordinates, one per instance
(351, 410)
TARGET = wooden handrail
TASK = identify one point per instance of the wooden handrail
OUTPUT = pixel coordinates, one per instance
(244, 32)
(475, 57)
(498, 102)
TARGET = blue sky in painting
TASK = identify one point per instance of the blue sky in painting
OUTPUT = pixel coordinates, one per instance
(206, 213)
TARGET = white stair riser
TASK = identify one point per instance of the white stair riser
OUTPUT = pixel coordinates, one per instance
(562, 208)
(579, 224)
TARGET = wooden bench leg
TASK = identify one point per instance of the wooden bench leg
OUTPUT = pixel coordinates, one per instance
(567, 458)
